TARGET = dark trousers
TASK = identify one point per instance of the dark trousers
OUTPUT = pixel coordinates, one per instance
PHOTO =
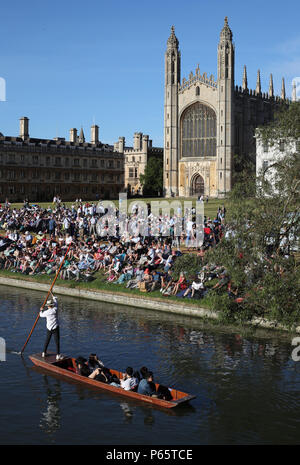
(49, 334)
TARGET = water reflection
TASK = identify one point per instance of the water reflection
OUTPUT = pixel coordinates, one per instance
(51, 416)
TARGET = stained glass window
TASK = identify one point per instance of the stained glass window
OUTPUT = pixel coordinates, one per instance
(198, 131)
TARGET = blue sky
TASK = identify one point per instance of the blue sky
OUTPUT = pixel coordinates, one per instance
(69, 63)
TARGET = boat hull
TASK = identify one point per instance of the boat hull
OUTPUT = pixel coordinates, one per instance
(66, 368)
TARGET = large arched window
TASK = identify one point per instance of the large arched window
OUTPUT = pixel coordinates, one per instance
(198, 131)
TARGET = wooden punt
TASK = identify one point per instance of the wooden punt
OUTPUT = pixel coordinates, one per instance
(67, 368)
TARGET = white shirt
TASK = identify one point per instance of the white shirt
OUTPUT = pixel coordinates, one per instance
(128, 383)
(69, 239)
(51, 316)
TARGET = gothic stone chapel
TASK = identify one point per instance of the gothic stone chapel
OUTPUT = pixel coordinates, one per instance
(207, 122)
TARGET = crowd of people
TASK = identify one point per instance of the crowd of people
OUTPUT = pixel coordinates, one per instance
(35, 240)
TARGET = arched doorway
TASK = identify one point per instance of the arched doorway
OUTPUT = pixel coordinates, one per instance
(197, 185)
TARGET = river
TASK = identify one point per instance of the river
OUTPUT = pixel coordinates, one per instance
(246, 382)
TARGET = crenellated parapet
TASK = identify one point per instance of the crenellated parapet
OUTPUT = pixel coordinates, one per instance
(198, 77)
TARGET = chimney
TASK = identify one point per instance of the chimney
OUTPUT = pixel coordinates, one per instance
(145, 143)
(137, 139)
(24, 127)
(94, 134)
(121, 144)
(73, 135)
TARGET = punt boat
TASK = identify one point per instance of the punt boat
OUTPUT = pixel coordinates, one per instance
(66, 368)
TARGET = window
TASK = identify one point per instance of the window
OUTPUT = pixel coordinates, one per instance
(66, 162)
(35, 159)
(57, 161)
(265, 165)
(281, 146)
(76, 162)
(11, 158)
(197, 90)
(94, 163)
(131, 172)
(47, 161)
(85, 163)
(67, 176)
(198, 131)
(11, 175)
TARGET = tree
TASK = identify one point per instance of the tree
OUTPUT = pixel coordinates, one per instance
(152, 179)
(261, 244)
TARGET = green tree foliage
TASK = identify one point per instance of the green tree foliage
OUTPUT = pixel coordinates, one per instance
(261, 248)
(152, 179)
(189, 264)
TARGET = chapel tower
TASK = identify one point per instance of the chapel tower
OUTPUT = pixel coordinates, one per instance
(172, 83)
(225, 121)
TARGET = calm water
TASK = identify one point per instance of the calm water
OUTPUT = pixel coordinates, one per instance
(247, 385)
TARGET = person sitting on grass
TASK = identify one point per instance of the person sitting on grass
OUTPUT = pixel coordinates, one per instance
(180, 285)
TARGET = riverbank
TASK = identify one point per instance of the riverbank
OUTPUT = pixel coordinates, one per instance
(132, 298)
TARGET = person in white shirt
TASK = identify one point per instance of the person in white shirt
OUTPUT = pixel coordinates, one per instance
(129, 382)
(52, 325)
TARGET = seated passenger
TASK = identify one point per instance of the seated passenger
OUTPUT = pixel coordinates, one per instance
(129, 382)
(81, 367)
(146, 385)
(94, 362)
(99, 374)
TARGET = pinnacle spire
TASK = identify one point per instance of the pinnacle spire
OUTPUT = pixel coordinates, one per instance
(245, 80)
(172, 40)
(81, 136)
(294, 92)
(271, 88)
(226, 32)
(258, 84)
(282, 89)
